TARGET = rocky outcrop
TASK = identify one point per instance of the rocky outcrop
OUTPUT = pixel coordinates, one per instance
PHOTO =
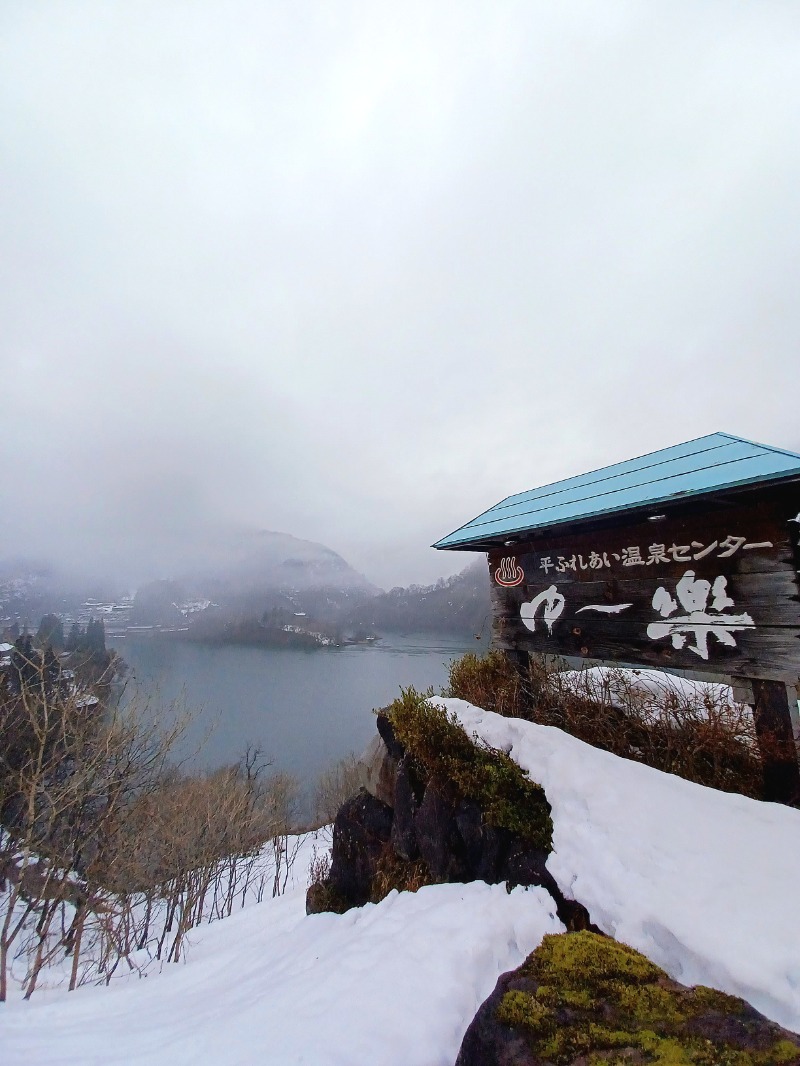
(400, 829)
(581, 998)
(404, 831)
(360, 834)
(440, 807)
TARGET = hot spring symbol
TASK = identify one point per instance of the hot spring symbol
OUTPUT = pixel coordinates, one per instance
(508, 573)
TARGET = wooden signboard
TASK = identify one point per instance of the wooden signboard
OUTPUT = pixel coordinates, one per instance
(714, 590)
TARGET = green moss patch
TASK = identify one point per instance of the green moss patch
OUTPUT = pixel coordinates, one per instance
(439, 746)
(587, 997)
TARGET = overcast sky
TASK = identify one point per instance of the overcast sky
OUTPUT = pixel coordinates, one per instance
(356, 271)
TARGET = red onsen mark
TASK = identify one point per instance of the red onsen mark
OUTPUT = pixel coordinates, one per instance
(508, 573)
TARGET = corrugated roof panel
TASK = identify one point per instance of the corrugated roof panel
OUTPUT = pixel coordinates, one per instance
(626, 475)
(708, 464)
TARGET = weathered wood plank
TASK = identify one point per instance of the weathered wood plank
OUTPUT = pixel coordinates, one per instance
(708, 591)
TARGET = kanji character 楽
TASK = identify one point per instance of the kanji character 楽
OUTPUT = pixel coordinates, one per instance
(699, 621)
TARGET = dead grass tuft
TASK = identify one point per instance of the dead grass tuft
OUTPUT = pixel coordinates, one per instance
(393, 872)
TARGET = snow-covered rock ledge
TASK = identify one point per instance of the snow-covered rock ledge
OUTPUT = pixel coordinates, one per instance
(702, 882)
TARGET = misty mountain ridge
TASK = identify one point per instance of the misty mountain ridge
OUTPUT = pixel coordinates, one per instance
(459, 604)
(255, 575)
(263, 576)
(245, 561)
(234, 559)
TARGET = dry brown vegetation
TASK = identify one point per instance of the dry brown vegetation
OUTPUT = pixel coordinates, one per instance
(334, 786)
(108, 854)
(395, 873)
(703, 737)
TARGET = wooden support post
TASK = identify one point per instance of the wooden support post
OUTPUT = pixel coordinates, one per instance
(520, 661)
(773, 721)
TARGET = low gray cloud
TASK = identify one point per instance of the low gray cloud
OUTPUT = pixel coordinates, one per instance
(357, 271)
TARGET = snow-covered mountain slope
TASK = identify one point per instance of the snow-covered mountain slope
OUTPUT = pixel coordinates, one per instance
(701, 881)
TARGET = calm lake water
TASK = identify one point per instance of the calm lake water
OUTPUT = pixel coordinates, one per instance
(305, 709)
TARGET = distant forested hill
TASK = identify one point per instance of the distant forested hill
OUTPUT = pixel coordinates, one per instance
(247, 574)
(457, 605)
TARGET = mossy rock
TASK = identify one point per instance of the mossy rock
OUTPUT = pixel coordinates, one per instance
(583, 999)
(438, 747)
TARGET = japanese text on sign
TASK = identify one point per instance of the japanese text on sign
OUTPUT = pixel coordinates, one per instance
(654, 555)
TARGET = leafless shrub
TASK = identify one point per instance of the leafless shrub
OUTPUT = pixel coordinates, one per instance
(696, 732)
(488, 681)
(394, 872)
(319, 867)
(334, 786)
(108, 855)
(699, 734)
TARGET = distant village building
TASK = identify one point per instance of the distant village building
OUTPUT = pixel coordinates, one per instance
(85, 703)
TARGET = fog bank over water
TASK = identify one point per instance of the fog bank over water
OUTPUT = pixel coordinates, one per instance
(355, 272)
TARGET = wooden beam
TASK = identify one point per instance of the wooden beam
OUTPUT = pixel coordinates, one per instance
(773, 721)
(521, 662)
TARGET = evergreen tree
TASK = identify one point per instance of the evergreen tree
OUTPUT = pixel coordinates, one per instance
(74, 638)
(25, 663)
(95, 640)
(51, 668)
(51, 631)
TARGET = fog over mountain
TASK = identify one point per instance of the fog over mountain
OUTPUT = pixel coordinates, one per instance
(247, 560)
(357, 271)
(231, 564)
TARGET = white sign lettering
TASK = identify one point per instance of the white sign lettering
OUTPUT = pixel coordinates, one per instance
(553, 603)
(701, 619)
(656, 555)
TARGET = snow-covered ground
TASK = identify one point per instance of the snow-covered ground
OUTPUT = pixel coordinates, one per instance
(393, 983)
(702, 882)
(617, 684)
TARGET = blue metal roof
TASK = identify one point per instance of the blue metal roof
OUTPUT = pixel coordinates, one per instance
(708, 464)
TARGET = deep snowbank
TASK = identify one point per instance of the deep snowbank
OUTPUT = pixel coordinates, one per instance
(395, 983)
(703, 882)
